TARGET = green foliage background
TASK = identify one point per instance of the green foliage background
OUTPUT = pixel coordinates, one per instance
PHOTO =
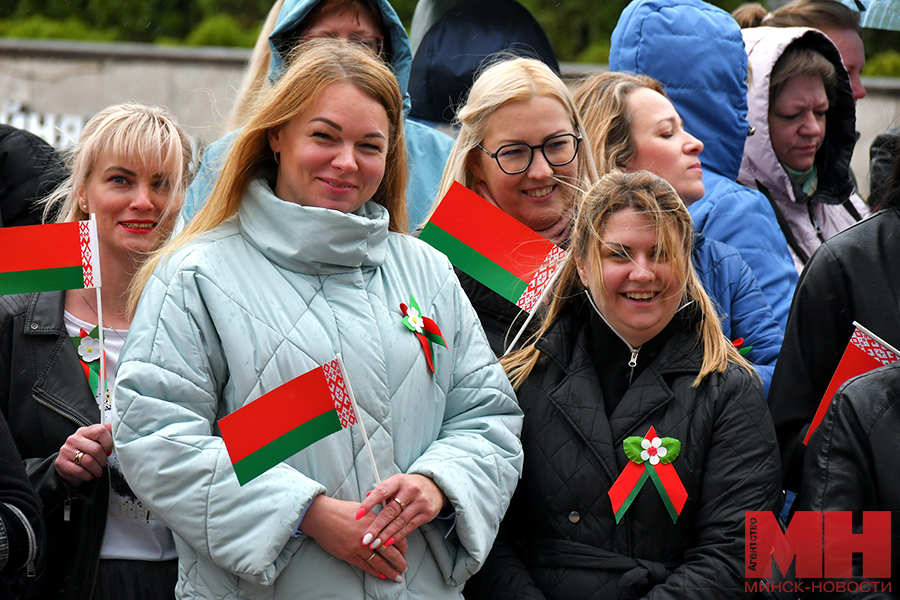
(578, 29)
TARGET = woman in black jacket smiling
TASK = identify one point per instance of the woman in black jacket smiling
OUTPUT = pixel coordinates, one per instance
(629, 376)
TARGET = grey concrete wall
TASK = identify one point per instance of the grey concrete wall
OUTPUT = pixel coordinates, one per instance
(53, 87)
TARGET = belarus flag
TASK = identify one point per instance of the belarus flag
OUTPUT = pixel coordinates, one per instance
(283, 422)
(42, 258)
(492, 247)
(865, 352)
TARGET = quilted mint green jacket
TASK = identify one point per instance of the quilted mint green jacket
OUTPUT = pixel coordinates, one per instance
(270, 294)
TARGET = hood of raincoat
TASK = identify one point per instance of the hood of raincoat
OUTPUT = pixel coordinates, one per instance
(295, 11)
(761, 167)
(696, 51)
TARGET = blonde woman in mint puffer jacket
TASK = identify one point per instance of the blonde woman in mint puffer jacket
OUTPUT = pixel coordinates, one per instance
(295, 259)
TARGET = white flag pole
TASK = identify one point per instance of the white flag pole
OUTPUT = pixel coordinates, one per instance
(362, 428)
(537, 304)
(102, 386)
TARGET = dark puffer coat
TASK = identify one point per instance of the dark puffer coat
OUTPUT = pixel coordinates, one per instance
(851, 463)
(29, 170)
(560, 539)
(854, 276)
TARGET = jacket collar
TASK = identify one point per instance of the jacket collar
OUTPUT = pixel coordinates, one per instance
(310, 240)
(565, 343)
(55, 379)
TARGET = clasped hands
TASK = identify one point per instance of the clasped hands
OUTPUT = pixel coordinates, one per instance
(375, 542)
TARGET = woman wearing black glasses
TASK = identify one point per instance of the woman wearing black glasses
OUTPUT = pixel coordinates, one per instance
(519, 147)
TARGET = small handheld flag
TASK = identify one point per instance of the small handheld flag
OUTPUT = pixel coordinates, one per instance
(492, 247)
(42, 258)
(283, 422)
(865, 351)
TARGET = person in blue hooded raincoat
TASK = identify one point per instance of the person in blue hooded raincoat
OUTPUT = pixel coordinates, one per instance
(291, 21)
(697, 52)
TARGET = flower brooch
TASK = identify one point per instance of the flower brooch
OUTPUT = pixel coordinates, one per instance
(650, 457)
(425, 329)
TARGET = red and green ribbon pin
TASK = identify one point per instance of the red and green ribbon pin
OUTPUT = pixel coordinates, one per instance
(425, 329)
(650, 458)
(87, 345)
(739, 346)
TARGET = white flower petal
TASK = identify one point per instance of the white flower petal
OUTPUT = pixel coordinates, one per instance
(662, 451)
(656, 442)
(645, 443)
(645, 455)
(654, 460)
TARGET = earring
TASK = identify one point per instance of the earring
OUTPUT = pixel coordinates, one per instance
(277, 158)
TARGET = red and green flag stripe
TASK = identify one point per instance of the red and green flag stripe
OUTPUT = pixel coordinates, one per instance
(492, 247)
(286, 420)
(42, 258)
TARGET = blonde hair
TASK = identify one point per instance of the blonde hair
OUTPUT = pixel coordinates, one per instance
(602, 101)
(652, 196)
(318, 64)
(149, 134)
(256, 78)
(506, 80)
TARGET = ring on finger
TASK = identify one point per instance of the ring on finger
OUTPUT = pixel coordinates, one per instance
(400, 502)
(78, 456)
(369, 560)
(381, 548)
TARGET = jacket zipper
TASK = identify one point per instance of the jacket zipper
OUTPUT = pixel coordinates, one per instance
(815, 221)
(67, 505)
(634, 351)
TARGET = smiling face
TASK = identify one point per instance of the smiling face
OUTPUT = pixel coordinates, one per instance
(129, 200)
(662, 146)
(797, 121)
(636, 288)
(534, 197)
(333, 154)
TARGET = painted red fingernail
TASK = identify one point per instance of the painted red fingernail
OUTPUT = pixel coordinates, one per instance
(367, 494)
(108, 452)
(389, 542)
(382, 576)
(360, 513)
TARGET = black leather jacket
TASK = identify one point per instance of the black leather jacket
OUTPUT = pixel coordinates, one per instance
(854, 276)
(560, 539)
(45, 397)
(851, 461)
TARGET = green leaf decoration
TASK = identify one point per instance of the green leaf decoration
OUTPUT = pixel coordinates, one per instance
(745, 351)
(415, 305)
(633, 448)
(673, 449)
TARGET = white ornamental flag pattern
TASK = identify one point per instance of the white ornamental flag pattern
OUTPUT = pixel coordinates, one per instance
(87, 235)
(541, 279)
(872, 348)
(334, 377)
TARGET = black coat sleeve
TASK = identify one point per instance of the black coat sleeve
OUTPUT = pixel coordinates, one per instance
(20, 509)
(30, 169)
(818, 329)
(850, 464)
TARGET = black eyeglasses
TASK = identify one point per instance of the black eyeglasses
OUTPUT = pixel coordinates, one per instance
(375, 43)
(558, 150)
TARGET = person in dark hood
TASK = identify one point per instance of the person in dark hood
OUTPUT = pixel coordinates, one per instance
(456, 46)
(696, 51)
(29, 170)
(373, 23)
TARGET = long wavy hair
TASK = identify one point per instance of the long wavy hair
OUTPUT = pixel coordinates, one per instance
(602, 101)
(652, 196)
(319, 64)
(147, 133)
(510, 79)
